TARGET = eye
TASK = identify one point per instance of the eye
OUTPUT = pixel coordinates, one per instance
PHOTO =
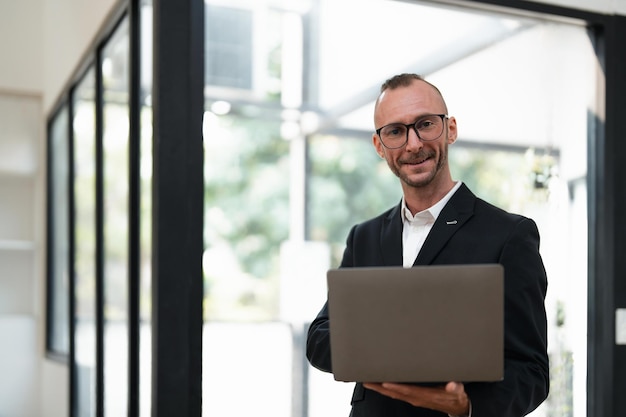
(427, 123)
(393, 130)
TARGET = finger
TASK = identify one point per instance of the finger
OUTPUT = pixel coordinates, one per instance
(381, 389)
(396, 387)
(455, 387)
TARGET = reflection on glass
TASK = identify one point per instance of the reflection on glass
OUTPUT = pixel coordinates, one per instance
(116, 199)
(58, 341)
(85, 246)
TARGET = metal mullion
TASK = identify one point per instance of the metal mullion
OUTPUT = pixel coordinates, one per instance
(178, 107)
(71, 204)
(99, 297)
(134, 208)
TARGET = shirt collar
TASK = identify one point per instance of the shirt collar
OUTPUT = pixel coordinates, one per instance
(431, 212)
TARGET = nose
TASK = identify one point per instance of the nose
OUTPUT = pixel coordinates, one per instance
(413, 142)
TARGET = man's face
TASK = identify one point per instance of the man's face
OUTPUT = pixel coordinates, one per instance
(417, 164)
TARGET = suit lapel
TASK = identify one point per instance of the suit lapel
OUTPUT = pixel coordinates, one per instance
(456, 212)
(391, 238)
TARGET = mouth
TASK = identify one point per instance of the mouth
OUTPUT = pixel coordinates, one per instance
(417, 160)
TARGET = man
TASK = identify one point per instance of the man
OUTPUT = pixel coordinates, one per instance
(440, 221)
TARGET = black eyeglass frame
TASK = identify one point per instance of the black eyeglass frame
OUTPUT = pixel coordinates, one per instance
(413, 125)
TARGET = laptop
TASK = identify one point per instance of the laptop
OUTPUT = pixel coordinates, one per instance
(428, 324)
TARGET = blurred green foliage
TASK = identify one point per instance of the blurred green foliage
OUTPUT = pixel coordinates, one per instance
(247, 185)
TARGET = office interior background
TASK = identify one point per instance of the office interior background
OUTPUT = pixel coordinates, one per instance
(177, 176)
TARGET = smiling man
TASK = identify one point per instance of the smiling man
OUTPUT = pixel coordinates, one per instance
(412, 133)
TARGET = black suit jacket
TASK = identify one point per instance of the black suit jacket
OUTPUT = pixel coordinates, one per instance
(468, 231)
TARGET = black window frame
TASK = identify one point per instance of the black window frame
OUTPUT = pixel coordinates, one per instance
(128, 9)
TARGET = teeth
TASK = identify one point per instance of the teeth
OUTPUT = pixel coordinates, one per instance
(415, 161)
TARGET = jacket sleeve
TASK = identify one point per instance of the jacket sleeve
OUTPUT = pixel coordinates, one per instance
(318, 337)
(526, 379)
(318, 342)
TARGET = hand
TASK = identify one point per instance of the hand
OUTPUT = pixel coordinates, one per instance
(450, 399)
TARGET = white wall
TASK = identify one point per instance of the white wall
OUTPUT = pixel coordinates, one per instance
(21, 45)
(41, 42)
(21, 185)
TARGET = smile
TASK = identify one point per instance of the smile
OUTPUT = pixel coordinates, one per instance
(415, 161)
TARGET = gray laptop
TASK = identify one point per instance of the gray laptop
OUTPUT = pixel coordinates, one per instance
(422, 324)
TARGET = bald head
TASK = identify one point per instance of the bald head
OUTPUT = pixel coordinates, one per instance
(405, 80)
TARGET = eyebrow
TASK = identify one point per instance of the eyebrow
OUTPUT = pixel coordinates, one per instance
(414, 120)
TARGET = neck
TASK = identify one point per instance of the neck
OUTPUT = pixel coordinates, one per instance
(420, 198)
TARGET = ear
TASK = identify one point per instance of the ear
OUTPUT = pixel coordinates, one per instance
(380, 149)
(452, 131)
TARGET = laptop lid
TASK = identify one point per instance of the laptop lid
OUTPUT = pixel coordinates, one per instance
(421, 324)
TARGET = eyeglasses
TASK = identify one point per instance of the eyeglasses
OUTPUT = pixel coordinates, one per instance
(427, 128)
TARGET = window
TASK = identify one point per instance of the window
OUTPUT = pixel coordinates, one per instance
(229, 44)
(116, 180)
(99, 222)
(58, 337)
(85, 237)
(271, 170)
(288, 169)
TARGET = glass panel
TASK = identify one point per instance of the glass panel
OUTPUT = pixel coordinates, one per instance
(264, 348)
(115, 70)
(522, 142)
(290, 166)
(229, 43)
(347, 175)
(246, 220)
(145, 300)
(145, 215)
(58, 336)
(85, 247)
(247, 181)
(539, 105)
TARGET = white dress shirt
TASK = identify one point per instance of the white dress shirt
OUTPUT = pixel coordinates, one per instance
(416, 228)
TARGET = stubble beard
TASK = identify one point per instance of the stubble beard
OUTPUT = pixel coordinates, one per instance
(423, 182)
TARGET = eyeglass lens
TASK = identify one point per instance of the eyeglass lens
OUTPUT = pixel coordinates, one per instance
(428, 128)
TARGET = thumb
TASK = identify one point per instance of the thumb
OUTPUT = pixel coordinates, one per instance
(454, 387)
